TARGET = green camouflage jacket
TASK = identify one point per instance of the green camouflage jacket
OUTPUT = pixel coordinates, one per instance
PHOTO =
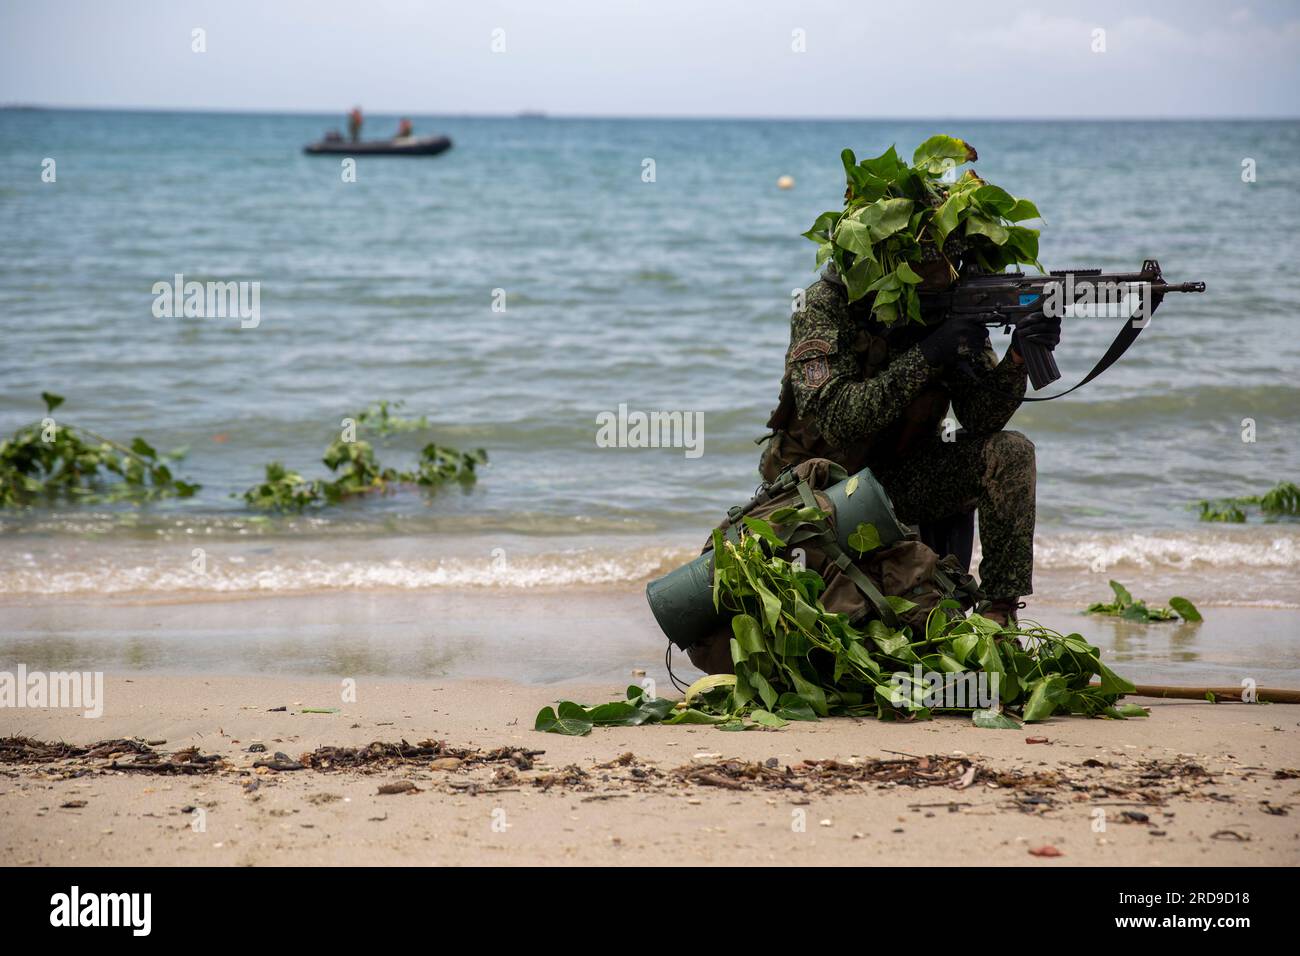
(858, 395)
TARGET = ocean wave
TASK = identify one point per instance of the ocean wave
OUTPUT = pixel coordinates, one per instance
(1259, 562)
(1176, 550)
(236, 574)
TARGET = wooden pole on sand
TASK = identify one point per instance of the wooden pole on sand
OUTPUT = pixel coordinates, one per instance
(1223, 695)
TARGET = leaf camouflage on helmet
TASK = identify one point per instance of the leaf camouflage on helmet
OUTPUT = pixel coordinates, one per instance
(907, 225)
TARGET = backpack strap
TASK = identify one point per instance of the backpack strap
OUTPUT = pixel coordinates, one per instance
(832, 549)
(952, 589)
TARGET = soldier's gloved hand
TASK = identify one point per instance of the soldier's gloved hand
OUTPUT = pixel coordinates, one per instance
(942, 346)
(1039, 329)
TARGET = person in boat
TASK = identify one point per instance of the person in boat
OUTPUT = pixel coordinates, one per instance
(354, 124)
(864, 395)
(404, 128)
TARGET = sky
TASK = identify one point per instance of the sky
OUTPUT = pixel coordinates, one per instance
(716, 58)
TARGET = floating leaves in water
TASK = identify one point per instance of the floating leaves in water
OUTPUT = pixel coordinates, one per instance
(49, 461)
(1131, 610)
(1280, 501)
(359, 472)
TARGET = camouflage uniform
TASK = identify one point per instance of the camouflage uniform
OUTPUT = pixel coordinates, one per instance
(863, 395)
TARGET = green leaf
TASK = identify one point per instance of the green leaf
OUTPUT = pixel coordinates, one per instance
(1186, 610)
(899, 605)
(993, 720)
(748, 634)
(1132, 710)
(811, 693)
(1112, 683)
(822, 227)
(949, 214)
(996, 202)
(1022, 210)
(886, 167)
(940, 153)
(771, 607)
(767, 719)
(1044, 697)
(1024, 242)
(763, 530)
(793, 707)
(882, 219)
(143, 448)
(1137, 611)
(983, 226)
(548, 722)
(1122, 597)
(864, 538)
(963, 645)
(855, 237)
(52, 401)
(690, 715)
(860, 277)
(905, 274)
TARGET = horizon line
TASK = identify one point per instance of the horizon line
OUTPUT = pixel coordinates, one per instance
(533, 113)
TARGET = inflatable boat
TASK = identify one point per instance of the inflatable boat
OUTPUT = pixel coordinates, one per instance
(406, 146)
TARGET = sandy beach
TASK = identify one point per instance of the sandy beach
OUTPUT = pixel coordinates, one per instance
(1194, 783)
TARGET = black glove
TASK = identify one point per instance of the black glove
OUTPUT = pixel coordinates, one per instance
(1038, 329)
(941, 347)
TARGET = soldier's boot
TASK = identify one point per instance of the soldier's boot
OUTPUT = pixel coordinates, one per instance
(1001, 611)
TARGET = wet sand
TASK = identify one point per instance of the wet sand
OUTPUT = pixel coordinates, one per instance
(472, 668)
(542, 635)
(1219, 814)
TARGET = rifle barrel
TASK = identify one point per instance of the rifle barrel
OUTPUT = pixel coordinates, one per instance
(1087, 275)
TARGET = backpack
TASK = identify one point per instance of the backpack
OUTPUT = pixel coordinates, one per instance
(858, 586)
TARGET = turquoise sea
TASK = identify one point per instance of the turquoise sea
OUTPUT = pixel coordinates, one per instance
(663, 295)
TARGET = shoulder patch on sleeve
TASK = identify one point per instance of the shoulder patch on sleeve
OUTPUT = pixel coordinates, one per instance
(810, 347)
(811, 355)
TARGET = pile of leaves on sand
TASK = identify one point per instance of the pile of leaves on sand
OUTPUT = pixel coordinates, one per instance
(903, 225)
(1126, 607)
(794, 660)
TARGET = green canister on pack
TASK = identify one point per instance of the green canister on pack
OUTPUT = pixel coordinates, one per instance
(682, 600)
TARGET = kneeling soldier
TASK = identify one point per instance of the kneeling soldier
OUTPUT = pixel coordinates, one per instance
(862, 394)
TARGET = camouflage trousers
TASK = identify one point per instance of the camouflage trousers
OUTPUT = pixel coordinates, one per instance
(995, 474)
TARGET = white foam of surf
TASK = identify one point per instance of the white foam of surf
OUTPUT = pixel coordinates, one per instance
(1258, 562)
(237, 574)
(1186, 551)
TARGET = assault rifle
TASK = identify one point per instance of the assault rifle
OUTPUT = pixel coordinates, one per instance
(1008, 298)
